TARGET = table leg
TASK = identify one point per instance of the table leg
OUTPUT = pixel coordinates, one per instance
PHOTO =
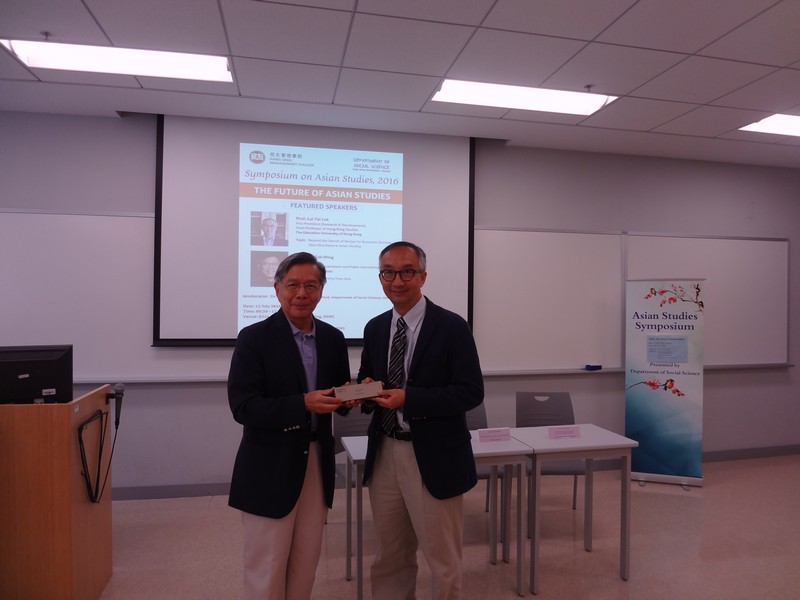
(520, 528)
(348, 486)
(588, 504)
(493, 514)
(625, 525)
(505, 511)
(536, 476)
(530, 495)
(359, 534)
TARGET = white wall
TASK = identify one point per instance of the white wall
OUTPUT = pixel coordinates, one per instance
(181, 433)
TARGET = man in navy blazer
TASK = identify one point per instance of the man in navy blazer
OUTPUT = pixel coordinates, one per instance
(419, 459)
(280, 388)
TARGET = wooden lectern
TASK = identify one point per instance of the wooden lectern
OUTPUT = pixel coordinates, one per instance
(55, 543)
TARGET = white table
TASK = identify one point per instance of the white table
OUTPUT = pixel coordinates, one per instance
(512, 455)
(592, 443)
(356, 450)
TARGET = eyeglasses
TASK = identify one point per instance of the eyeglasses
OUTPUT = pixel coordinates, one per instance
(294, 287)
(405, 274)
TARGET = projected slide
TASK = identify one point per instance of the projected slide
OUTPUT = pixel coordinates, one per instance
(343, 206)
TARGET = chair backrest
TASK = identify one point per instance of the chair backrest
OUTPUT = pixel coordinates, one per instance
(476, 418)
(355, 423)
(544, 408)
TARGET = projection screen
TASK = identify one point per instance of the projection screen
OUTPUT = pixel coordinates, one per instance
(236, 197)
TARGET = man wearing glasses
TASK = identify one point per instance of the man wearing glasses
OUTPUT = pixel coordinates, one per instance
(280, 388)
(419, 459)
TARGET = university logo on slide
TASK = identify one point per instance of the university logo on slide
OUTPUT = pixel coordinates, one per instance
(257, 157)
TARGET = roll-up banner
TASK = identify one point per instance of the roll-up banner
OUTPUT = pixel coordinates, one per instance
(664, 379)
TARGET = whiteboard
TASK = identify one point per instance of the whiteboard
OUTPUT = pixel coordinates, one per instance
(554, 301)
(547, 300)
(745, 292)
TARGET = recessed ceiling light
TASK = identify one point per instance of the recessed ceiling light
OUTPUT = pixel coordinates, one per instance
(123, 61)
(524, 98)
(777, 124)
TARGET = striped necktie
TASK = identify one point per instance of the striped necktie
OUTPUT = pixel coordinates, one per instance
(397, 373)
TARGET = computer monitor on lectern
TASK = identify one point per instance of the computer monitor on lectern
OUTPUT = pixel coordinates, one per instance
(35, 374)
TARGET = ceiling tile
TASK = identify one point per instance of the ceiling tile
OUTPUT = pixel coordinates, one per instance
(537, 116)
(637, 114)
(291, 33)
(794, 110)
(791, 140)
(404, 45)
(776, 92)
(59, 98)
(451, 108)
(680, 25)
(556, 17)
(67, 21)
(177, 25)
(755, 136)
(701, 80)
(711, 121)
(336, 4)
(393, 90)
(512, 58)
(10, 68)
(109, 79)
(611, 69)
(463, 12)
(285, 81)
(780, 25)
(189, 85)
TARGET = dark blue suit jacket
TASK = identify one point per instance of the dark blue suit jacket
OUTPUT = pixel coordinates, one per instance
(443, 382)
(265, 391)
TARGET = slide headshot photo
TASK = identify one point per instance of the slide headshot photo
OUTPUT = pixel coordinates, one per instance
(268, 229)
(263, 266)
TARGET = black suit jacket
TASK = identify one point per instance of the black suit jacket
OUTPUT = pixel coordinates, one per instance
(265, 391)
(443, 382)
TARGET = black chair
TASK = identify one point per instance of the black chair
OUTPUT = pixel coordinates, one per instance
(476, 418)
(551, 408)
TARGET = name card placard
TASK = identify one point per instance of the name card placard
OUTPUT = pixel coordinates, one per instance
(559, 432)
(494, 434)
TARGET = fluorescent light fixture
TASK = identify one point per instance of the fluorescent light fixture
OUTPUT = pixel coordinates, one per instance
(777, 124)
(525, 98)
(122, 61)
